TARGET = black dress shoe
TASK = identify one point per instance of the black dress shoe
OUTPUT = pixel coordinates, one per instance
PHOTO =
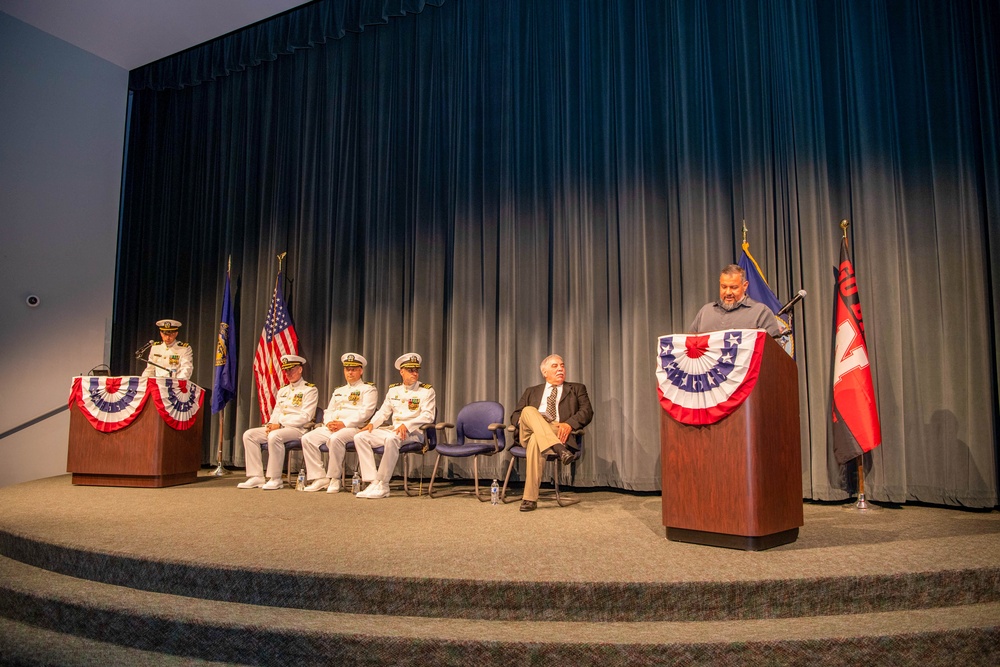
(528, 505)
(566, 456)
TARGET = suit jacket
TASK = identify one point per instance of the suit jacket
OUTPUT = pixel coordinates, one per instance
(574, 407)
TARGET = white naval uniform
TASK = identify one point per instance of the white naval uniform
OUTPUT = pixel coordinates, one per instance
(352, 404)
(178, 357)
(294, 410)
(411, 406)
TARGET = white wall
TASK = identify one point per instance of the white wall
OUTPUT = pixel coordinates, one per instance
(62, 128)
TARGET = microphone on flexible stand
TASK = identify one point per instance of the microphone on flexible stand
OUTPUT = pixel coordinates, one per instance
(795, 299)
(142, 350)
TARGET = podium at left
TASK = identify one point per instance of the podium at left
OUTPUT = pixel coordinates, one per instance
(134, 431)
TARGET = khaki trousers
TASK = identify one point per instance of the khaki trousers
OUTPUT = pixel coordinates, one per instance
(537, 437)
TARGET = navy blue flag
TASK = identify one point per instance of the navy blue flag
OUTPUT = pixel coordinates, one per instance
(760, 291)
(224, 382)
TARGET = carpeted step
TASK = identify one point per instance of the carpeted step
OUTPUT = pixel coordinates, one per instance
(251, 634)
(519, 600)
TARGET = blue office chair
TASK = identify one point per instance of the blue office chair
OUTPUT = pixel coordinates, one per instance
(518, 453)
(478, 431)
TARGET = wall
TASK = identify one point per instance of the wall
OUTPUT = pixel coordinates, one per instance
(62, 126)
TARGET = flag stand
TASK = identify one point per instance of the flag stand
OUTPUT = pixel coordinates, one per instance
(220, 470)
(862, 505)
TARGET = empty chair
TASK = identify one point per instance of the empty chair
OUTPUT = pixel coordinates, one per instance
(479, 431)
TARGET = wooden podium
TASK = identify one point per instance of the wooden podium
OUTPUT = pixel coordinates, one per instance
(738, 483)
(146, 453)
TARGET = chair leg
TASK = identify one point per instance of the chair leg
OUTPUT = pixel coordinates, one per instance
(475, 477)
(555, 481)
(430, 486)
(406, 475)
(506, 479)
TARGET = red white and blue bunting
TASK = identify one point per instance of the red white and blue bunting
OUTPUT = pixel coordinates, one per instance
(177, 401)
(705, 377)
(112, 403)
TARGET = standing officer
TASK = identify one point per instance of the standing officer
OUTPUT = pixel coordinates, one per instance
(350, 406)
(410, 404)
(175, 358)
(293, 413)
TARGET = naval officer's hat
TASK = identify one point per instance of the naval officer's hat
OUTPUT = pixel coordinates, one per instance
(291, 361)
(353, 360)
(409, 360)
(168, 325)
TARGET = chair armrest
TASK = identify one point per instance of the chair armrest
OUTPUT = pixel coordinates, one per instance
(495, 426)
(443, 425)
(428, 427)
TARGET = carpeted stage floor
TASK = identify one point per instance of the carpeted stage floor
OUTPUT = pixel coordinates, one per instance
(317, 577)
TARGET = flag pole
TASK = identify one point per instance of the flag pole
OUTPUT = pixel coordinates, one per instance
(862, 504)
(220, 469)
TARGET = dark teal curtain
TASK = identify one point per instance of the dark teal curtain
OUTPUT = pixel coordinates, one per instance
(489, 181)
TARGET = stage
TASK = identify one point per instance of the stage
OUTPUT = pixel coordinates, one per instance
(210, 572)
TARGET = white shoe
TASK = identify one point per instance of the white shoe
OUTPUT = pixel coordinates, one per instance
(252, 483)
(376, 489)
(274, 483)
(318, 484)
(334, 486)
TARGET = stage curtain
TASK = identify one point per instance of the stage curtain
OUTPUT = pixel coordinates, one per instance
(486, 182)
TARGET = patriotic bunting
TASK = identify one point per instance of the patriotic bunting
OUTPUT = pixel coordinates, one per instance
(112, 403)
(177, 401)
(706, 377)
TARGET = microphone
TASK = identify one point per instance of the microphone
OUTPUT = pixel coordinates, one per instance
(141, 350)
(795, 299)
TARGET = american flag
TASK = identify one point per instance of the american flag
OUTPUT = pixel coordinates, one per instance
(277, 338)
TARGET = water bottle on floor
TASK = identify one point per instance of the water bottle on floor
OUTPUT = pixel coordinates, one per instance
(300, 483)
(494, 493)
(355, 484)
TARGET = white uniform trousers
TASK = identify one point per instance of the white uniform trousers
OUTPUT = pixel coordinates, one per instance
(537, 437)
(252, 440)
(335, 441)
(363, 443)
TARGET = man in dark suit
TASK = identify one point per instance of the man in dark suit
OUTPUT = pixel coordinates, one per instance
(545, 417)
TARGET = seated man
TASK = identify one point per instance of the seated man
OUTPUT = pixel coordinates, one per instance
(410, 404)
(734, 309)
(350, 406)
(293, 413)
(545, 416)
(173, 359)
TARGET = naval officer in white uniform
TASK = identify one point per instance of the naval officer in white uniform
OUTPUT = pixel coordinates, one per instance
(351, 406)
(175, 357)
(408, 405)
(293, 414)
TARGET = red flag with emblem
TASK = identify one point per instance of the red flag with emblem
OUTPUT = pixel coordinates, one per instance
(856, 426)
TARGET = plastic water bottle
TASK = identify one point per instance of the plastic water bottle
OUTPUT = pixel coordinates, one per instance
(300, 483)
(494, 493)
(355, 484)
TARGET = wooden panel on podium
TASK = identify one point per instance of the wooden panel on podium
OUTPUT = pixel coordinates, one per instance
(146, 453)
(738, 483)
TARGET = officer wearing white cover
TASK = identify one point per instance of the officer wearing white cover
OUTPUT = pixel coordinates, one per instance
(410, 404)
(293, 413)
(350, 407)
(176, 358)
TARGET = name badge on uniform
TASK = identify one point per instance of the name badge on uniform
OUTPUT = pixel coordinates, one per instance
(354, 397)
(413, 403)
(297, 400)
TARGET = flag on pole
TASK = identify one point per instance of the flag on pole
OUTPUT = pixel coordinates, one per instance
(278, 338)
(856, 426)
(224, 381)
(760, 291)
